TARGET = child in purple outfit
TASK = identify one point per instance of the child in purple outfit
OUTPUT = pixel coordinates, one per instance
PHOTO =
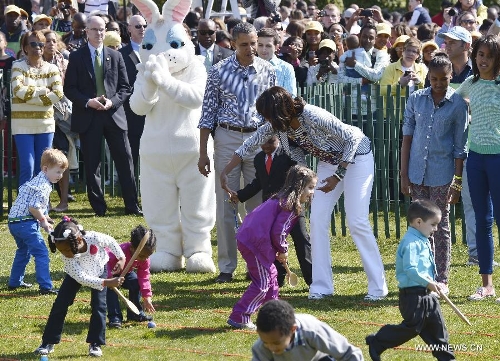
(262, 239)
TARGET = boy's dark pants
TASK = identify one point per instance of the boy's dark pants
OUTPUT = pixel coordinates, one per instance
(421, 316)
(132, 285)
(302, 246)
(64, 299)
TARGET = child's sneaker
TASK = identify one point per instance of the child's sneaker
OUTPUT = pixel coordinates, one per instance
(242, 326)
(95, 350)
(44, 349)
(482, 293)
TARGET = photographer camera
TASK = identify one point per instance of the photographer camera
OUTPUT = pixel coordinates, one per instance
(62, 14)
(363, 17)
(326, 69)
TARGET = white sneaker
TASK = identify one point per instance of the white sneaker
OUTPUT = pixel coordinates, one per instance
(374, 298)
(242, 326)
(44, 349)
(95, 350)
(317, 296)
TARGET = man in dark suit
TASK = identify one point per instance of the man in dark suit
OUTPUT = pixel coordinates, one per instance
(97, 84)
(137, 29)
(206, 43)
(270, 176)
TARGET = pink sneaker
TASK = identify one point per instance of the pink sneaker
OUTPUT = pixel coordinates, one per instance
(482, 293)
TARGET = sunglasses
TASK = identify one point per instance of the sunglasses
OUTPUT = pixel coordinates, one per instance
(468, 21)
(140, 26)
(35, 44)
(206, 32)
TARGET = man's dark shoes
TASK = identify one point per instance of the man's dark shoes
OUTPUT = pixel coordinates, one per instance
(224, 277)
(21, 285)
(51, 291)
(135, 212)
(370, 341)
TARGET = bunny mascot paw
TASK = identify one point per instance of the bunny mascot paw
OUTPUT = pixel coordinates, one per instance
(148, 87)
(169, 91)
(161, 75)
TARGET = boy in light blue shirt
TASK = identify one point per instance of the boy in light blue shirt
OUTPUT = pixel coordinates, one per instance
(418, 304)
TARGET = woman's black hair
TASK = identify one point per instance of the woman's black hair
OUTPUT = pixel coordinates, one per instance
(440, 61)
(278, 107)
(57, 235)
(297, 179)
(492, 42)
(136, 236)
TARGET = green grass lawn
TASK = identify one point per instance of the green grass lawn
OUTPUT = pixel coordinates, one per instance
(192, 310)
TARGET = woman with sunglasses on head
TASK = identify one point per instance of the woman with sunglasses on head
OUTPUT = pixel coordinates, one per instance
(36, 87)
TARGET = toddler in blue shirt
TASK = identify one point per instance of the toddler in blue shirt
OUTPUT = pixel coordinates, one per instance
(418, 304)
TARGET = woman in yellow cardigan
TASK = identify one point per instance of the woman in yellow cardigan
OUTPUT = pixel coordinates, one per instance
(406, 71)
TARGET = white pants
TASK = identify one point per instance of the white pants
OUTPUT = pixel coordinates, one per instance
(357, 188)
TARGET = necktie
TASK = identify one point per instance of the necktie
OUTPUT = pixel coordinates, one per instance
(208, 61)
(269, 161)
(99, 74)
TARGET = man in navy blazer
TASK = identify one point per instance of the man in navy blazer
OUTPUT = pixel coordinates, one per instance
(137, 29)
(270, 183)
(96, 115)
(206, 41)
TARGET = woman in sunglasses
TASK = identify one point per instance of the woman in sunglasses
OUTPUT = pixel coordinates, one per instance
(36, 87)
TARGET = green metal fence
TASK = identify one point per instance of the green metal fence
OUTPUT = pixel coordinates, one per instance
(379, 117)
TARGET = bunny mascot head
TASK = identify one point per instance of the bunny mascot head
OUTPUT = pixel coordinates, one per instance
(169, 90)
(165, 33)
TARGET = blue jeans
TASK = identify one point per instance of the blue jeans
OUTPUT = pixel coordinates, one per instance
(483, 172)
(29, 243)
(132, 285)
(64, 299)
(29, 151)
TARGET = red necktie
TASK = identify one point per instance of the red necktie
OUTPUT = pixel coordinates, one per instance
(269, 161)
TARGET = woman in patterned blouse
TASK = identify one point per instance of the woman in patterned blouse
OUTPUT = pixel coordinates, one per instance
(337, 146)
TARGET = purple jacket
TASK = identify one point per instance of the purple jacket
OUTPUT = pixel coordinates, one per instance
(265, 229)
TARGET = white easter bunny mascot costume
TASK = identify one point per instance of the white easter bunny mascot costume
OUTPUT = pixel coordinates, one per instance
(178, 202)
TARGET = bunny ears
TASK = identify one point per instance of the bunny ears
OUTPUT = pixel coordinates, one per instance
(173, 10)
(67, 232)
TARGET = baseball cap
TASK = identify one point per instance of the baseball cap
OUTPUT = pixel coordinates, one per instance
(42, 17)
(24, 13)
(475, 35)
(383, 28)
(112, 38)
(314, 25)
(348, 13)
(401, 40)
(12, 9)
(430, 43)
(327, 43)
(458, 33)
